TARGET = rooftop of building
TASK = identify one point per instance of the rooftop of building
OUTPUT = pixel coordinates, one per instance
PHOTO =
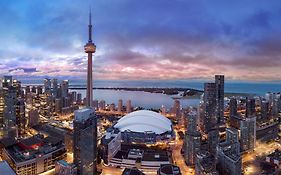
(147, 154)
(5, 168)
(144, 121)
(170, 169)
(83, 114)
(65, 164)
(132, 171)
(227, 148)
(207, 161)
(33, 147)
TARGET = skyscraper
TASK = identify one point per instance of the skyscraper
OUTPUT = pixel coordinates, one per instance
(90, 48)
(192, 121)
(7, 81)
(176, 108)
(47, 85)
(264, 109)
(228, 153)
(55, 87)
(39, 90)
(250, 107)
(85, 141)
(213, 140)
(64, 88)
(220, 98)
(120, 105)
(129, 106)
(192, 139)
(20, 116)
(2, 111)
(209, 107)
(233, 107)
(248, 133)
(192, 146)
(33, 89)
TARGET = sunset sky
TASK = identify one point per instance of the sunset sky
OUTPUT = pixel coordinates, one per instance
(142, 39)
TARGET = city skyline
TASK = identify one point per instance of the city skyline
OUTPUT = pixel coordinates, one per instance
(188, 40)
(142, 110)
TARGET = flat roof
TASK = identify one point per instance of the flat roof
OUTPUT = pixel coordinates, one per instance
(148, 154)
(5, 169)
(20, 153)
(31, 141)
(82, 114)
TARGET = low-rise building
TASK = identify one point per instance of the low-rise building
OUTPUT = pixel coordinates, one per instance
(64, 168)
(34, 155)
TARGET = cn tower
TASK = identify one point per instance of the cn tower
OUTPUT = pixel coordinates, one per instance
(90, 48)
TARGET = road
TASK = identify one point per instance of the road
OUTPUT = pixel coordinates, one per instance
(250, 161)
(179, 159)
(107, 170)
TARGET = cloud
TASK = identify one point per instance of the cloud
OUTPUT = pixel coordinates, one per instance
(25, 70)
(142, 39)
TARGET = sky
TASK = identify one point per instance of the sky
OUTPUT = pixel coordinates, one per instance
(142, 40)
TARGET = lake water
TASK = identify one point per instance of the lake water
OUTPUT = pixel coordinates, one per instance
(143, 99)
(150, 100)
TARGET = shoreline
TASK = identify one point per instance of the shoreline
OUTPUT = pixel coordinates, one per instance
(175, 93)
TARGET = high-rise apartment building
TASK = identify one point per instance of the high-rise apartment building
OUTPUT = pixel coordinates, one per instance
(129, 106)
(228, 154)
(20, 116)
(64, 88)
(219, 80)
(209, 107)
(85, 141)
(47, 85)
(248, 134)
(120, 106)
(250, 107)
(55, 87)
(233, 107)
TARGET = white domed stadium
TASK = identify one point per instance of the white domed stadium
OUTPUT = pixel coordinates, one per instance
(144, 127)
(144, 121)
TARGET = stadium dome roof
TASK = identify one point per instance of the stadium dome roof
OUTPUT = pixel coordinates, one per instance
(144, 121)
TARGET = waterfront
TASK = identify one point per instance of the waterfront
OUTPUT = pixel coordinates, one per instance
(156, 100)
(259, 88)
(142, 99)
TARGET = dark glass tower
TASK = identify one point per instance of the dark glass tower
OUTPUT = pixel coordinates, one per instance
(210, 118)
(85, 141)
(220, 98)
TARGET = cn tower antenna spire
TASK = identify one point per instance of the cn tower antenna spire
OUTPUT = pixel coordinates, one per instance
(90, 25)
(90, 15)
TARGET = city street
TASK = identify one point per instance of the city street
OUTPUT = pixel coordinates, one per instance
(178, 158)
(250, 160)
